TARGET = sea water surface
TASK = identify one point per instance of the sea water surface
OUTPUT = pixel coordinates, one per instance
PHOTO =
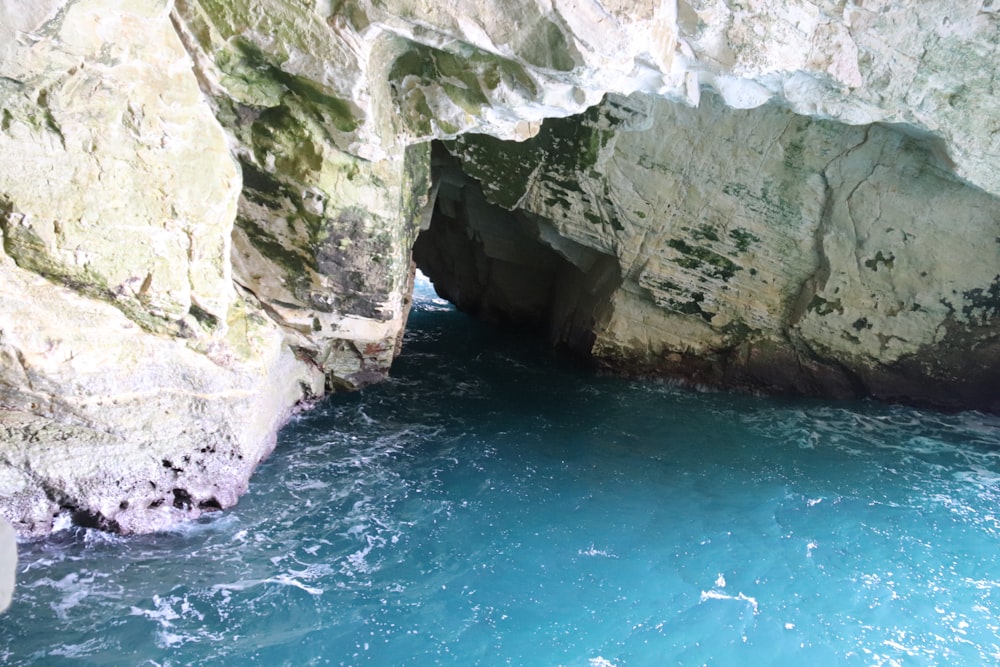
(491, 505)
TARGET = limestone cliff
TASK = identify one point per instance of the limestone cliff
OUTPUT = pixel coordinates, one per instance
(207, 211)
(136, 386)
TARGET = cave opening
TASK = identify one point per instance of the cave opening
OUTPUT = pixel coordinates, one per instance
(634, 235)
(511, 268)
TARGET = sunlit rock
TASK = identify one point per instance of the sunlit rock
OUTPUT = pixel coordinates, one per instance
(208, 209)
(136, 386)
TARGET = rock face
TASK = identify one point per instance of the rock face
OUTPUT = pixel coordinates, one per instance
(135, 386)
(208, 209)
(754, 248)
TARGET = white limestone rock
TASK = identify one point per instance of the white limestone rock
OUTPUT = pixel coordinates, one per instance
(752, 248)
(210, 206)
(326, 249)
(125, 429)
(136, 386)
(123, 182)
(929, 66)
(397, 71)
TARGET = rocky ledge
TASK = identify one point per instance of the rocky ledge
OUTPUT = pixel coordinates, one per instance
(209, 208)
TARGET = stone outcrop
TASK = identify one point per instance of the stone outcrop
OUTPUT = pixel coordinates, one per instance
(136, 385)
(207, 211)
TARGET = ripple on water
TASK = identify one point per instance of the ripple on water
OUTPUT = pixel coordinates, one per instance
(490, 505)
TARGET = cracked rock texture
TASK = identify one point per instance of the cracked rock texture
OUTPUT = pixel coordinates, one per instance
(207, 211)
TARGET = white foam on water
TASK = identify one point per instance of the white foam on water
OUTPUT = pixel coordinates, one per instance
(63, 521)
(980, 476)
(171, 640)
(357, 563)
(594, 552)
(80, 650)
(74, 588)
(170, 611)
(364, 417)
(288, 580)
(307, 485)
(68, 602)
(281, 579)
(94, 537)
(719, 595)
(313, 571)
(163, 612)
(600, 661)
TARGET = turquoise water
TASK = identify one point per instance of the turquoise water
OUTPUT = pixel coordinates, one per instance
(493, 506)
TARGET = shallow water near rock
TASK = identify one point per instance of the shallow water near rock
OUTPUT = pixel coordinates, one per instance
(491, 505)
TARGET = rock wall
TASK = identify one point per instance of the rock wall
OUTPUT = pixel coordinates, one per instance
(207, 211)
(755, 248)
(135, 386)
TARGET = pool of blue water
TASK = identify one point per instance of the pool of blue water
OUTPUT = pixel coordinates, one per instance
(493, 505)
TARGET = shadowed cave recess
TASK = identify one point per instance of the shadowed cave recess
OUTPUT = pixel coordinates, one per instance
(511, 268)
(733, 279)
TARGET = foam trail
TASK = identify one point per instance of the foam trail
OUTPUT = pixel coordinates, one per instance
(282, 580)
(718, 595)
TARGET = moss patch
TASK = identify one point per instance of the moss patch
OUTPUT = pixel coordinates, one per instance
(743, 238)
(254, 77)
(699, 258)
(983, 305)
(563, 150)
(821, 306)
(880, 260)
(689, 307)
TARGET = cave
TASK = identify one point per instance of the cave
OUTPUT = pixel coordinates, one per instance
(510, 268)
(232, 432)
(635, 236)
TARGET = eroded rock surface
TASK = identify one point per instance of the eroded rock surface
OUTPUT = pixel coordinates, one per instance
(207, 211)
(755, 248)
(136, 386)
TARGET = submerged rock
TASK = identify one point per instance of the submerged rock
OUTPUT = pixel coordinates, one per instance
(208, 210)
